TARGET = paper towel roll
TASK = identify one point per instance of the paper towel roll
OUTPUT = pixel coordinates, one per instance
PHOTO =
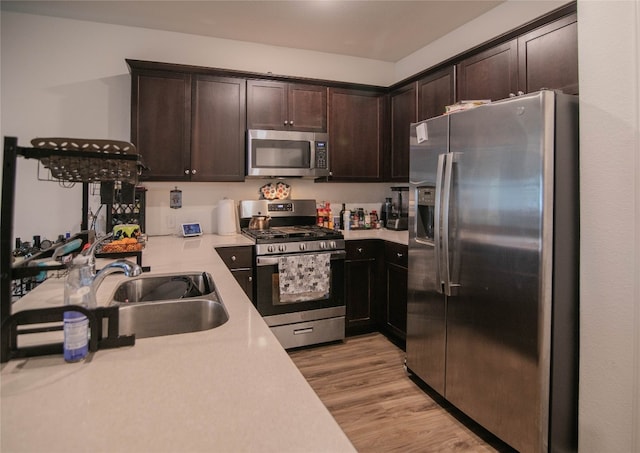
(226, 217)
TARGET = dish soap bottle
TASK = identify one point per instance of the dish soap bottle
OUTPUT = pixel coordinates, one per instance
(77, 291)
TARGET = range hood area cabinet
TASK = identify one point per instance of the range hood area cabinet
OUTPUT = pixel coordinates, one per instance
(188, 127)
(286, 106)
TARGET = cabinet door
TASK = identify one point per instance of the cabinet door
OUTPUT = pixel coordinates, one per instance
(403, 113)
(266, 104)
(240, 261)
(356, 127)
(549, 57)
(307, 108)
(395, 314)
(161, 123)
(218, 129)
(244, 277)
(492, 74)
(362, 276)
(435, 92)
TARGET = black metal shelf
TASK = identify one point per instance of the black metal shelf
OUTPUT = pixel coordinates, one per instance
(70, 160)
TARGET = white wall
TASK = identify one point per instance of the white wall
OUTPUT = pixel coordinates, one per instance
(608, 42)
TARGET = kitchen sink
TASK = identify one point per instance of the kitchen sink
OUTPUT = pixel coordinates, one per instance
(169, 317)
(164, 287)
(152, 306)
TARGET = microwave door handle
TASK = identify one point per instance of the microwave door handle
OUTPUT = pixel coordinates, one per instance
(437, 221)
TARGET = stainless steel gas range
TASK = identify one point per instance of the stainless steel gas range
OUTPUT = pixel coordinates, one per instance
(298, 272)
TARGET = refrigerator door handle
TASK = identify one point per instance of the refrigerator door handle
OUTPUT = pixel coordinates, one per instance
(438, 225)
(446, 201)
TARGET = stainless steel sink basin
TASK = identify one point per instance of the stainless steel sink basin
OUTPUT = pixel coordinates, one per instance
(156, 305)
(164, 287)
(168, 317)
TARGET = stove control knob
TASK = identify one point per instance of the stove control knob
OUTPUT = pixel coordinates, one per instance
(303, 246)
(323, 245)
(271, 249)
(282, 248)
(332, 244)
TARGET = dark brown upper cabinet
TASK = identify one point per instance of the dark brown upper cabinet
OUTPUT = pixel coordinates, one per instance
(492, 74)
(435, 92)
(288, 106)
(356, 135)
(548, 57)
(188, 127)
(218, 129)
(161, 123)
(403, 113)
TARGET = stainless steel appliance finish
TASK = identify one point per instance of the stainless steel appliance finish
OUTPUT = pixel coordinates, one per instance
(493, 259)
(397, 219)
(303, 320)
(287, 154)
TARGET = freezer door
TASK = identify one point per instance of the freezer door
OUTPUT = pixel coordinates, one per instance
(497, 367)
(426, 304)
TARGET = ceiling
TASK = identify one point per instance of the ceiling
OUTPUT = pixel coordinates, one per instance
(386, 30)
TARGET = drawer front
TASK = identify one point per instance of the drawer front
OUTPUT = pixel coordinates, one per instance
(237, 257)
(396, 254)
(362, 249)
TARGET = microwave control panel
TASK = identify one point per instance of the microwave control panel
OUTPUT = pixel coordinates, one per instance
(321, 154)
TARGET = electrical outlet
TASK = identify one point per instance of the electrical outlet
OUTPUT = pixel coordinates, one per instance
(171, 221)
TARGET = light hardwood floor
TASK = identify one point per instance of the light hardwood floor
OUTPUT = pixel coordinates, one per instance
(363, 384)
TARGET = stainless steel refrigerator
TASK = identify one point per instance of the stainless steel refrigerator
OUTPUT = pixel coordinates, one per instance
(493, 266)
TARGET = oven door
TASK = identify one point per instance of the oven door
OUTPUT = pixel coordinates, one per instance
(271, 301)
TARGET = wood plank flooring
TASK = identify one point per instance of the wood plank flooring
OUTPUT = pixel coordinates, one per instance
(363, 384)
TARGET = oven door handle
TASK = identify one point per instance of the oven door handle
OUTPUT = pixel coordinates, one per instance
(274, 259)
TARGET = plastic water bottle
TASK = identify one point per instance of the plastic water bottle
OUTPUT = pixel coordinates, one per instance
(77, 291)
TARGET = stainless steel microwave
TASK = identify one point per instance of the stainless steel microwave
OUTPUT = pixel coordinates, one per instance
(287, 154)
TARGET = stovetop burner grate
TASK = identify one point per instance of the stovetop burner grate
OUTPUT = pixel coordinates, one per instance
(291, 233)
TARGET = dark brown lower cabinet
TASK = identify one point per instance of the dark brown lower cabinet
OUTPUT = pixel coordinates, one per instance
(240, 261)
(363, 288)
(394, 313)
(376, 288)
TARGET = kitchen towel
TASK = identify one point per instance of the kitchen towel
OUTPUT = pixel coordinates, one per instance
(304, 277)
(226, 217)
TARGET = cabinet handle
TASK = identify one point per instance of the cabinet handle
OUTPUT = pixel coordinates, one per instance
(193, 172)
(286, 122)
(359, 249)
(250, 278)
(233, 257)
(400, 255)
(291, 123)
(186, 172)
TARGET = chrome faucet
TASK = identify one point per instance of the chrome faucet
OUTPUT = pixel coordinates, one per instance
(91, 251)
(127, 267)
(130, 270)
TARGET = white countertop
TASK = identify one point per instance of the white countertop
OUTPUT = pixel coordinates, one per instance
(400, 237)
(229, 389)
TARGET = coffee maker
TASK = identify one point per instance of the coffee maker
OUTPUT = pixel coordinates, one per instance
(398, 218)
